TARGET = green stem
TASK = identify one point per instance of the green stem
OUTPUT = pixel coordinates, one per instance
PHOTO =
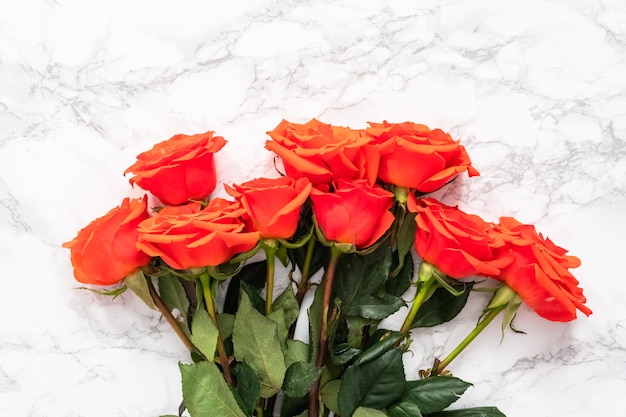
(327, 281)
(270, 246)
(303, 285)
(158, 302)
(482, 324)
(423, 293)
(270, 252)
(205, 281)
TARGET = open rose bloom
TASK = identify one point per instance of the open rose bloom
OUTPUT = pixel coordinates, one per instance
(324, 153)
(459, 244)
(179, 169)
(539, 272)
(414, 156)
(105, 252)
(188, 236)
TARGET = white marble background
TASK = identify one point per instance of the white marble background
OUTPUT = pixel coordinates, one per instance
(536, 90)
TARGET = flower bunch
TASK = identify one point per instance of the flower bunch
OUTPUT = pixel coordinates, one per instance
(352, 203)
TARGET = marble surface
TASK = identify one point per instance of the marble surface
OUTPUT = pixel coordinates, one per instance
(535, 90)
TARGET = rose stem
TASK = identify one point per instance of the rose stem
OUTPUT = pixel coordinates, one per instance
(422, 294)
(158, 302)
(482, 324)
(271, 247)
(270, 253)
(205, 281)
(328, 279)
(303, 285)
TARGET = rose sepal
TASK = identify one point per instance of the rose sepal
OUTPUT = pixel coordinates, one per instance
(342, 247)
(136, 282)
(244, 256)
(300, 242)
(505, 298)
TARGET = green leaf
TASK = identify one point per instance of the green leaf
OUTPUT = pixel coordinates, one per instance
(257, 301)
(329, 393)
(405, 238)
(281, 255)
(380, 347)
(252, 274)
(204, 334)
(278, 317)
(434, 394)
(358, 330)
(255, 341)
(225, 324)
(404, 409)
(206, 393)
(293, 406)
(368, 412)
(248, 387)
(360, 281)
(376, 384)
(442, 306)
(299, 378)
(315, 313)
(174, 297)
(289, 304)
(297, 351)
(341, 343)
(470, 412)
(330, 373)
(136, 282)
(343, 353)
(397, 285)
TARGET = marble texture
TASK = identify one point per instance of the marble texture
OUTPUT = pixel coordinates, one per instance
(535, 90)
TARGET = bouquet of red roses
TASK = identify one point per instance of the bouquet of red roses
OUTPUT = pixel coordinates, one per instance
(353, 203)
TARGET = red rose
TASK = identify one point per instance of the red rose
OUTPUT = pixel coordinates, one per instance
(178, 169)
(459, 244)
(540, 273)
(413, 156)
(354, 213)
(324, 153)
(187, 236)
(105, 252)
(272, 205)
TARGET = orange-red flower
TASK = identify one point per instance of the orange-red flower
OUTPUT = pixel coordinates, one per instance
(105, 252)
(187, 236)
(459, 244)
(324, 153)
(540, 272)
(414, 156)
(178, 169)
(272, 205)
(354, 213)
